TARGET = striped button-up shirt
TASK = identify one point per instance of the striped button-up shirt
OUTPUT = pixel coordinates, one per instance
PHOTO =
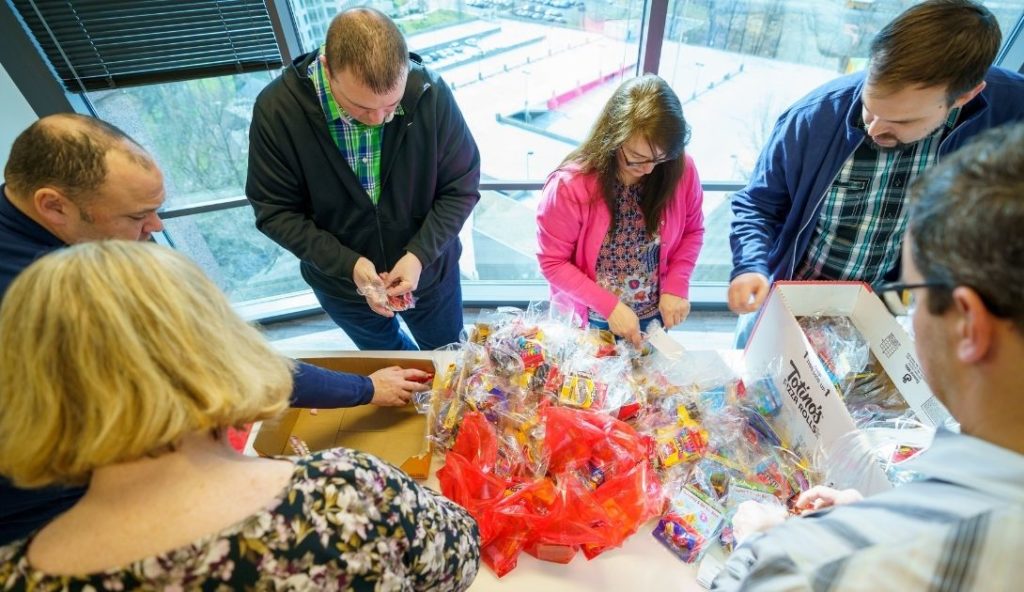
(863, 219)
(961, 527)
(359, 143)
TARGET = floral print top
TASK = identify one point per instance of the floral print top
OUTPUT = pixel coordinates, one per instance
(627, 264)
(346, 521)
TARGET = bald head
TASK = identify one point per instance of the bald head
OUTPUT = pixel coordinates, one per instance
(67, 152)
(83, 180)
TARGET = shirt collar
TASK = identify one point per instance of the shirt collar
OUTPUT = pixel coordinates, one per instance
(334, 112)
(972, 463)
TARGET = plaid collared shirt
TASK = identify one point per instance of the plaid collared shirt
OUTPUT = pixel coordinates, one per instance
(359, 143)
(863, 220)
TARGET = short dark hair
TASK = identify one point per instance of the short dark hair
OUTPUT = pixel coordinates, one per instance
(965, 219)
(951, 43)
(369, 43)
(66, 151)
(648, 107)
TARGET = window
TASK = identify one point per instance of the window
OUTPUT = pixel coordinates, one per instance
(198, 131)
(530, 77)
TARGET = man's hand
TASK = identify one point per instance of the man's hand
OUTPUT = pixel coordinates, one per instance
(624, 323)
(747, 292)
(819, 497)
(394, 386)
(404, 277)
(673, 309)
(754, 517)
(370, 285)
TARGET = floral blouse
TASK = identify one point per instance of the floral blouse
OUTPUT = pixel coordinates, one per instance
(347, 521)
(627, 264)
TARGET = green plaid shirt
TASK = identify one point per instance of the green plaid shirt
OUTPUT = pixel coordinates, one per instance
(863, 220)
(359, 143)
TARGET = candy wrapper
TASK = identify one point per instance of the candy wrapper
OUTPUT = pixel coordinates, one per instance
(379, 295)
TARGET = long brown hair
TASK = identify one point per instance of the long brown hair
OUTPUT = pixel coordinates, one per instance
(645, 106)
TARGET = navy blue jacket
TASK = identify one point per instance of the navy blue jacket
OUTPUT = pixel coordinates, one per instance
(776, 213)
(22, 511)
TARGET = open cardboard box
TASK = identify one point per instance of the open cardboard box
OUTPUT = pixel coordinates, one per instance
(812, 410)
(395, 434)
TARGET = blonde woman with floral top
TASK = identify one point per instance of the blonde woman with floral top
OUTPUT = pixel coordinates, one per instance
(120, 366)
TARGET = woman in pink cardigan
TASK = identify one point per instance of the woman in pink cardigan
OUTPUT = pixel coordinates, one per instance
(620, 225)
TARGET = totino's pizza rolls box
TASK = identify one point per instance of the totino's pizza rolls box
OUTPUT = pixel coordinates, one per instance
(813, 412)
(395, 434)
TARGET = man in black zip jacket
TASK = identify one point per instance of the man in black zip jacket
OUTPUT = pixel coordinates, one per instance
(361, 164)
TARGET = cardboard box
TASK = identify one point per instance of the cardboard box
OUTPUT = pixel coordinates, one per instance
(812, 410)
(395, 434)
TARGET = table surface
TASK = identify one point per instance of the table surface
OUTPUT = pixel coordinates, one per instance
(641, 563)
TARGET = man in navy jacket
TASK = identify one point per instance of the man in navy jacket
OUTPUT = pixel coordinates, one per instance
(71, 179)
(826, 198)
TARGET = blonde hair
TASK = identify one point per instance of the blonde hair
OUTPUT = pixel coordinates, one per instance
(114, 350)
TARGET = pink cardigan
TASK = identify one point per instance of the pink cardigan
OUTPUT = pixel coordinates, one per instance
(571, 225)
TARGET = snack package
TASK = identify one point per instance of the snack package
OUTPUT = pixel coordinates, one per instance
(872, 396)
(379, 295)
(690, 525)
(842, 349)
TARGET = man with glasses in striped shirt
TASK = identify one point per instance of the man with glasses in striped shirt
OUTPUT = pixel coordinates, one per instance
(961, 525)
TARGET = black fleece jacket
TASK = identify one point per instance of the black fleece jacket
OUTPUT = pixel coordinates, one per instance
(308, 200)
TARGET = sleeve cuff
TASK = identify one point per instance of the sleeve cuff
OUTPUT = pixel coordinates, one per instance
(319, 388)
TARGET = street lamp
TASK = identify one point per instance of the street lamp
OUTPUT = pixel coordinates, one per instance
(529, 153)
(696, 79)
(526, 95)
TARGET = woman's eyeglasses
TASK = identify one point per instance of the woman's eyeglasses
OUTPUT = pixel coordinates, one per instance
(635, 163)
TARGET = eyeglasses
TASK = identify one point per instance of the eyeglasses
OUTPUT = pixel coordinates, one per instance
(635, 163)
(899, 297)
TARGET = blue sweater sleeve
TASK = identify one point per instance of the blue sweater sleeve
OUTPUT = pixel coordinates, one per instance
(320, 388)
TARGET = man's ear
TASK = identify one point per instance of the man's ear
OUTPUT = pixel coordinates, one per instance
(975, 325)
(52, 206)
(969, 95)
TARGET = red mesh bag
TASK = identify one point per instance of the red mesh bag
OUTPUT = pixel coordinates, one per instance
(599, 489)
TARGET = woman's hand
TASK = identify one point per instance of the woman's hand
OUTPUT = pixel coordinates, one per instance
(624, 323)
(673, 309)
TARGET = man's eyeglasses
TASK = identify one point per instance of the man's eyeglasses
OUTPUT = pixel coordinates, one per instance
(635, 163)
(899, 297)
